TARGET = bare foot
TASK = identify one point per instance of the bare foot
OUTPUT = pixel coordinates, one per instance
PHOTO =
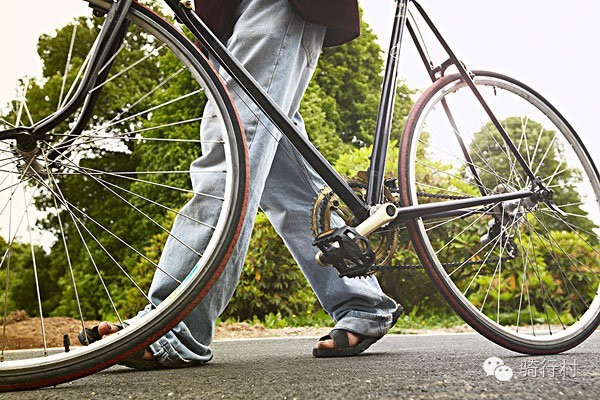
(106, 329)
(353, 340)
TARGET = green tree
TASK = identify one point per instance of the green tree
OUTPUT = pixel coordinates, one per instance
(547, 159)
(351, 74)
(17, 270)
(339, 109)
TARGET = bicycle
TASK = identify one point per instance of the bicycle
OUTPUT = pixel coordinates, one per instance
(494, 199)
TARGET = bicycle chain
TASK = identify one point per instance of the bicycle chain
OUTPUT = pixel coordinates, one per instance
(406, 267)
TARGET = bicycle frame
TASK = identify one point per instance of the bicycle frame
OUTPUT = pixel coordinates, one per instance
(360, 208)
(113, 32)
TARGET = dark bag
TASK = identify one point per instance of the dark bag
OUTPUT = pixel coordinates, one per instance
(341, 17)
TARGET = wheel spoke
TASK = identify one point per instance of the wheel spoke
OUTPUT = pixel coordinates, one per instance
(67, 66)
(35, 274)
(127, 209)
(521, 271)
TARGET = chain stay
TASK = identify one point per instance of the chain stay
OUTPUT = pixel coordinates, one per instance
(442, 196)
(405, 267)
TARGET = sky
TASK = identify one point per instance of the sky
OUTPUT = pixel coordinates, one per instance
(551, 45)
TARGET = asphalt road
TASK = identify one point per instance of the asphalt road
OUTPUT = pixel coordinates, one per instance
(397, 367)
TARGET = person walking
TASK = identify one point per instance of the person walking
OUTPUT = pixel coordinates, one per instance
(279, 43)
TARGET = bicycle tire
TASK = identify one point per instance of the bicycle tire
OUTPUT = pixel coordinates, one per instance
(543, 287)
(51, 369)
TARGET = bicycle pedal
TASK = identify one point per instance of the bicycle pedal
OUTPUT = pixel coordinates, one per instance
(346, 250)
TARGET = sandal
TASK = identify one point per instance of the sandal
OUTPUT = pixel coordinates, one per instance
(342, 346)
(89, 336)
(135, 360)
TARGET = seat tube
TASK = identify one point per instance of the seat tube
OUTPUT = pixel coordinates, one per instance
(386, 108)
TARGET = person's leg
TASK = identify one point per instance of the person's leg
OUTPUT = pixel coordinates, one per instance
(357, 305)
(277, 47)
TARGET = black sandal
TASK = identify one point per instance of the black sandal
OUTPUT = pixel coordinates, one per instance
(342, 346)
(135, 360)
(89, 336)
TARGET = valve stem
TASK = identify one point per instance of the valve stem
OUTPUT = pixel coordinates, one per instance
(67, 342)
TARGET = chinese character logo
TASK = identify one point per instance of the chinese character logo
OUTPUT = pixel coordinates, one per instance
(542, 368)
(495, 366)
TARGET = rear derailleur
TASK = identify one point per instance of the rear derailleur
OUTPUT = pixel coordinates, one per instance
(507, 242)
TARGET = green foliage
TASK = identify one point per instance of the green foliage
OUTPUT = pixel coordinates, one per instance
(537, 147)
(351, 75)
(339, 109)
(341, 103)
(271, 282)
(320, 112)
(17, 263)
(318, 318)
(426, 317)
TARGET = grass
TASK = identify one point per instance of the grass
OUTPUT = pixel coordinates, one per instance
(425, 319)
(273, 321)
(415, 319)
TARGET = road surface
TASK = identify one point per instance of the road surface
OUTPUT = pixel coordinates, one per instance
(449, 366)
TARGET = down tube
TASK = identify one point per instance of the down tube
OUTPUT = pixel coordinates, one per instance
(239, 74)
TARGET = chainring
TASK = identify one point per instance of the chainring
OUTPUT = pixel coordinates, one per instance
(384, 241)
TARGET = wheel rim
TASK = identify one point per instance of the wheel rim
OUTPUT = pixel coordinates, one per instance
(157, 116)
(550, 280)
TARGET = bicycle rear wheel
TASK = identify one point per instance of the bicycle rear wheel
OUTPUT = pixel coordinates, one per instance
(84, 218)
(521, 273)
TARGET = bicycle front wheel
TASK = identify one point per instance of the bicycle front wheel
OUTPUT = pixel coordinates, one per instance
(85, 217)
(523, 273)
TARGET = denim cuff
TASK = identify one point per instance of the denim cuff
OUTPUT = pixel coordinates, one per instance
(169, 355)
(367, 324)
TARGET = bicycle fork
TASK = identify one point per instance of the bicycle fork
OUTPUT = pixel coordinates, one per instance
(109, 39)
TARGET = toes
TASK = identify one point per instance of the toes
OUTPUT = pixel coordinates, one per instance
(353, 340)
(325, 344)
(148, 355)
(107, 329)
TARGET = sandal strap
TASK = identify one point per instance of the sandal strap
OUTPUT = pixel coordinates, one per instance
(340, 338)
(91, 335)
(88, 336)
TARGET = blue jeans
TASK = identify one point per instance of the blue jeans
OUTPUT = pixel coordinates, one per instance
(281, 51)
